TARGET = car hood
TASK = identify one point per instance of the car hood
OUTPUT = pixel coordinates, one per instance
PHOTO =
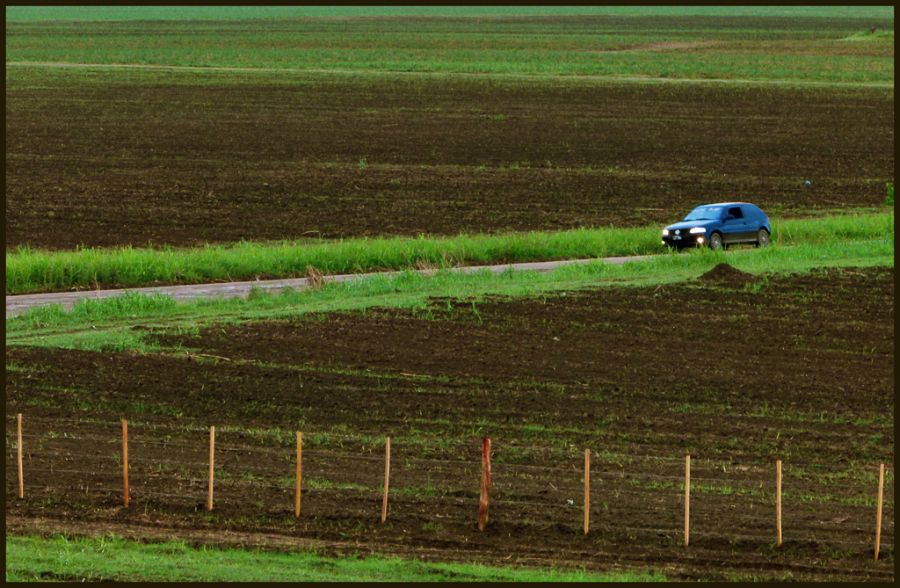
(684, 225)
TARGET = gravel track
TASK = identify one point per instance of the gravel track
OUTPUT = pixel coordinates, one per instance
(20, 303)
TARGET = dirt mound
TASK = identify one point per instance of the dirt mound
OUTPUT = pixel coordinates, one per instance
(725, 275)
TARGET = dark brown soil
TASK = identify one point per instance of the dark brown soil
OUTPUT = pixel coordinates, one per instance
(797, 368)
(135, 158)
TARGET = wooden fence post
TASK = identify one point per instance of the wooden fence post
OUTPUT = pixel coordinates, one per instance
(587, 490)
(299, 483)
(126, 496)
(387, 477)
(778, 499)
(878, 510)
(484, 499)
(212, 461)
(687, 499)
(19, 451)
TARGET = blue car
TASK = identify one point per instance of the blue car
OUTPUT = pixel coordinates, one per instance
(719, 225)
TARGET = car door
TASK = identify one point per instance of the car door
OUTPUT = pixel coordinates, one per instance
(734, 225)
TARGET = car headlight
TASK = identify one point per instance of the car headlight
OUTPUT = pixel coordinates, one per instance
(665, 232)
(696, 230)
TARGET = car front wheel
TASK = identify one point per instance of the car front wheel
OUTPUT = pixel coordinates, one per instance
(762, 238)
(715, 242)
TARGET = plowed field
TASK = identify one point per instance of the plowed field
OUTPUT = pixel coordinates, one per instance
(110, 157)
(736, 371)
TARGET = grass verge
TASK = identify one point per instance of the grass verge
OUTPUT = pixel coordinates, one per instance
(110, 324)
(115, 559)
(29, 271)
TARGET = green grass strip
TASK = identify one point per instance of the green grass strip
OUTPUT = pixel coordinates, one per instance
(30, 270)
(107, 324)
(115, 559)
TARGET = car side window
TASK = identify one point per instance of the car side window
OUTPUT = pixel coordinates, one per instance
(735, 212)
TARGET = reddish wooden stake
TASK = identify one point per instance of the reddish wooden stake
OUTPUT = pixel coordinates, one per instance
(126, 496)
(485, 483)
(687, 499)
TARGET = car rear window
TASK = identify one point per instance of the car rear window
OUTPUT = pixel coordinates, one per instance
(753, 212)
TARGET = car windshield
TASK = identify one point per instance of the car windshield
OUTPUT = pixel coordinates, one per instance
(704, 213)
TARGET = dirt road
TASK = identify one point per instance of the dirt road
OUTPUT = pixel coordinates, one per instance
(18, 304)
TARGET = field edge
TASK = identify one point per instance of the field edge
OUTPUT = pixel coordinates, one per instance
(105, 557)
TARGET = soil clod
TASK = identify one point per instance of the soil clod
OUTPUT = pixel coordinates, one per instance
(726, 275)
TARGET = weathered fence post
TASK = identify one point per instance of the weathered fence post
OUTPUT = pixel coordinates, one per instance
(687, 499)
(19, 451)
(387, 477)
(778, 500)
(299, 482)
(587, 490)
(878, 510)
(126, 496)
(212, 461)
(484, 499)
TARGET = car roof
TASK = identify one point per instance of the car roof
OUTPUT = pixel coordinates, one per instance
(726, 204)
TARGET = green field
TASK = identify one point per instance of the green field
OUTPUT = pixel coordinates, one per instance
(88, 13)
(792, 44)
(111, 559)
